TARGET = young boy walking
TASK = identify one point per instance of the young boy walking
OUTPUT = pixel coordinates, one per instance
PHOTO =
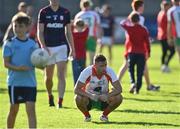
(138, 48)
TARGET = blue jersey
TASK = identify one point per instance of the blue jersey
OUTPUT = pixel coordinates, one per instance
(20, 52)
(107, 24)
(54, 25)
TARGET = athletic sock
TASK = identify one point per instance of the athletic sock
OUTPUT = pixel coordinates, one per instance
(86, 114)
(50, 96)
(106, 112)
(60, 101)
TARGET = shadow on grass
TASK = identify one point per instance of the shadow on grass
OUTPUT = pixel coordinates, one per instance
(148, 100)
(5, 90)
(147, 112)
(136, 123)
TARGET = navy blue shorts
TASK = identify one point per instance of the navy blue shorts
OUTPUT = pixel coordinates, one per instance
(22, 94)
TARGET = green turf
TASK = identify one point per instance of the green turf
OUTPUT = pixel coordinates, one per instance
(146, 110)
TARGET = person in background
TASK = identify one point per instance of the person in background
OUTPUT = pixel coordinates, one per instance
(92, 19)
(33, 28)
(138, 7)
(21, 73)
(22, 8)
(80, 34)
(93, 91)
(138, 49)
(54, 34)
(173, 28)
(107, 25)
(167, 50)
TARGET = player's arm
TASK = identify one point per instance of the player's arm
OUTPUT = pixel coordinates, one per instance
(69, 37)
(78, 90)
(117, 89)
(40, 34)
(8, 65)
(8, 31)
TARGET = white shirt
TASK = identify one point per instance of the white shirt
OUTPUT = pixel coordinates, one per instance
(95, 84)
(91, 18)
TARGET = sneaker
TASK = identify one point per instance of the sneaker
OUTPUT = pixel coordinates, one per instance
(59, 106)
(51, 101)
(153, 88)
(87, 119)
(104, 118)
(133, 88)
(165, 69)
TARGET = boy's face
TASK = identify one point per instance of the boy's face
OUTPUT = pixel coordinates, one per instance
(19, 29)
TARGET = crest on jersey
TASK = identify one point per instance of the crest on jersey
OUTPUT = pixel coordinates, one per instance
(55, 17)
(61, 18)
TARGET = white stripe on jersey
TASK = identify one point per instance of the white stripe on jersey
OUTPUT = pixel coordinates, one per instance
(96, 85)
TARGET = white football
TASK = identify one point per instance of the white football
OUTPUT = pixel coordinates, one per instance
(40, 57)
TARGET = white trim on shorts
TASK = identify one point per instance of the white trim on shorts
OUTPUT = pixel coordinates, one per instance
(105, 40)
(59, 53)
(12, 94)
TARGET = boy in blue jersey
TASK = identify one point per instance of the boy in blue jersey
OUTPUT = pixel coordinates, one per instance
(54, 35)
(21, 73)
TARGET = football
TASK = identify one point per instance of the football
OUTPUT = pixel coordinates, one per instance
(40, 57)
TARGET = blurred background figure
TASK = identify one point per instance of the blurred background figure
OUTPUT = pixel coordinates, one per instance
(137, 7)
(173, 28)
(80, 34)
(33, 26)
(107, 25)
(22, 7)
(167, 50)
(92, 19)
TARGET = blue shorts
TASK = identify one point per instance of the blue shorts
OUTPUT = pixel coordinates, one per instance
(22, 94)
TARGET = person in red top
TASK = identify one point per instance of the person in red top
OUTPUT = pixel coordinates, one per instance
(80, 34)
(138, 49)
(167, 50)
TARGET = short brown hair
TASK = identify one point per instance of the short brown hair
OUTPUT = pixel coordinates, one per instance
(21, 5)
(134, 17)
(136, 4)
(99, 58)
(85, 3)
(21, 18)
(79, 22)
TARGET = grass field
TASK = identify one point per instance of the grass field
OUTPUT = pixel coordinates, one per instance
(146, 110)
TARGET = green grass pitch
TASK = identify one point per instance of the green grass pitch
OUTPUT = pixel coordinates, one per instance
(146, 110)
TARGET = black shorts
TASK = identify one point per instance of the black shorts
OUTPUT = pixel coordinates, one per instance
(22, 94)
(98, 105)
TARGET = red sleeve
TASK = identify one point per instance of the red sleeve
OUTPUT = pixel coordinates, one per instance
(147, 42)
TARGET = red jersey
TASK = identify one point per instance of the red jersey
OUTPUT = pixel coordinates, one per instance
(162, 25)
(137, 40)
(80, 43)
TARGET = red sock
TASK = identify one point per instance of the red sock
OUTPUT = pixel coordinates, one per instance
(60, 101)
(86, 113)
(106, 112)
(50, 96)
